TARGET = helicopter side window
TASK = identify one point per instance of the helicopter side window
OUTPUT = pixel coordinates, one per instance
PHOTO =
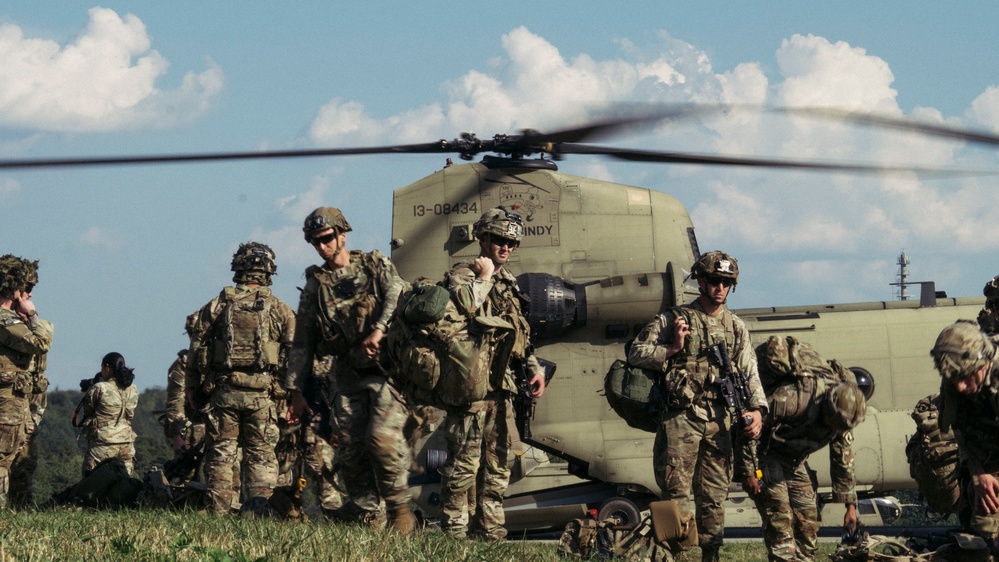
(865, 380)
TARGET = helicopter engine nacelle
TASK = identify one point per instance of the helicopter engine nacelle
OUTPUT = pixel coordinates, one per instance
(556, 305)
(619, 302)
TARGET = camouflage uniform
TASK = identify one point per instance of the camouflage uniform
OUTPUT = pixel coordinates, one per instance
(21, 344)
(319, 453)
(107, 425)
(180, 419)
(988, 317)
(23, 347)
(338, 309)
(787, 501)
(960, 351)
(22, 471)
(694, 442)
(478, 436)
(239, 344)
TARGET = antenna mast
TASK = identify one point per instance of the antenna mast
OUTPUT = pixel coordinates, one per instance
(903, 274)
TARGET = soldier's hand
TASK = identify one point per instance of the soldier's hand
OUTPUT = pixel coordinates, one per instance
(299, 406)
(755, 425)
(23, 304)
(372, 343)
(483, 268)
(987, 493)
(751, 485)
(681, 330)
(850, 520)
(537, 384)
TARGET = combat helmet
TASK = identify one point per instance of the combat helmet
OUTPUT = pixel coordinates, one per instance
(500, 222)
(845, 406)
(716, 264)
(961, 349)
(13, 274)
(323, 218)
(254, 256)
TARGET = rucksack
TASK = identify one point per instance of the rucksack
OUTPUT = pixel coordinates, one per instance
(108, 485)
(242, 338)
(933, 458)
(784, 358)
(433, 350)
(664, 531)
(634, 394)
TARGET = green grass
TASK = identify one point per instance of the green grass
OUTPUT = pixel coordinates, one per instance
(169, 536)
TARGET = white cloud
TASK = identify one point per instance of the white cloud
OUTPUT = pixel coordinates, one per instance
(799, 215)
(104, 80)
(99, 237)
(9, 189)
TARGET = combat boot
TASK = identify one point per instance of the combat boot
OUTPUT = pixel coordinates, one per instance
(709, 554)
(403, 520)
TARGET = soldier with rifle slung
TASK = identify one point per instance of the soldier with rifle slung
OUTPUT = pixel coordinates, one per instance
(694, 441)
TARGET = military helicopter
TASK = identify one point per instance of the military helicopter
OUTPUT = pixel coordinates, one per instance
(588, 298)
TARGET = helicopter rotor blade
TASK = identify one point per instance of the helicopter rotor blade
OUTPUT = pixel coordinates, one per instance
(876, 120)
(771, 163)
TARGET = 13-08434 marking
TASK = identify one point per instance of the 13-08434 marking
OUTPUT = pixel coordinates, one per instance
(445, 209)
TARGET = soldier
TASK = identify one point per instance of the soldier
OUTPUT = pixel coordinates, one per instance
(24, 341)
(239, 344)
(988, 318)
(694, 441)
(964, 356)
(344, 312)
(478, 435)
(812, 404)
(108, 409)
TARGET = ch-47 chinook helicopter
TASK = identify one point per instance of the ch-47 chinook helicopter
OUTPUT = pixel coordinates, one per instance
(589, 297)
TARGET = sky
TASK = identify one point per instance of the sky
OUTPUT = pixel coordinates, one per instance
(128, 252)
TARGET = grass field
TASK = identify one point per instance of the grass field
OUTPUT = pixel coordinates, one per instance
(169, 536)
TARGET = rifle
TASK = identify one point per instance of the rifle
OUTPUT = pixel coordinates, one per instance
(184, 466)
(735, 390)
(524, 401)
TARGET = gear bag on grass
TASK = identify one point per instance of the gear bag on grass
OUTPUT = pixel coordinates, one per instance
(634, 394)
(434, 350)
(108, 485)
(933, 458)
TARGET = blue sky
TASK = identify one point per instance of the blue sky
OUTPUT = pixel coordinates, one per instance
(126, 253)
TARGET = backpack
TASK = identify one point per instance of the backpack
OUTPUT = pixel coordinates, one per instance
(664, 531)
(242, 337)
(933, 458)
(435, 353)
(108, 485)
(783, 358)
(634, 394)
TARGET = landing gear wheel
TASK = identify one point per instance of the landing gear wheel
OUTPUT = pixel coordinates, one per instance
(622, 510)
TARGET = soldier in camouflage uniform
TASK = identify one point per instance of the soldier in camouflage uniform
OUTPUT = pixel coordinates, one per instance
(809, 409)
(694, 442)
(988, 318)
(24, 341)
(965, 358)
(344, 311)
(314, 442)
(108, 409)
(478, 435)
(239, 344)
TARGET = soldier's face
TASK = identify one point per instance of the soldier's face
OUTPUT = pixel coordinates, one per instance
(716, 289)
(497, 249)
(327, 243)
(972, 383)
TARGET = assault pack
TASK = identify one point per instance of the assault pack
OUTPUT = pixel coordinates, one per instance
(933, 459)
(433, 349)
(238, 339)
(634, 394)
(664, 531)
(107, 486)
